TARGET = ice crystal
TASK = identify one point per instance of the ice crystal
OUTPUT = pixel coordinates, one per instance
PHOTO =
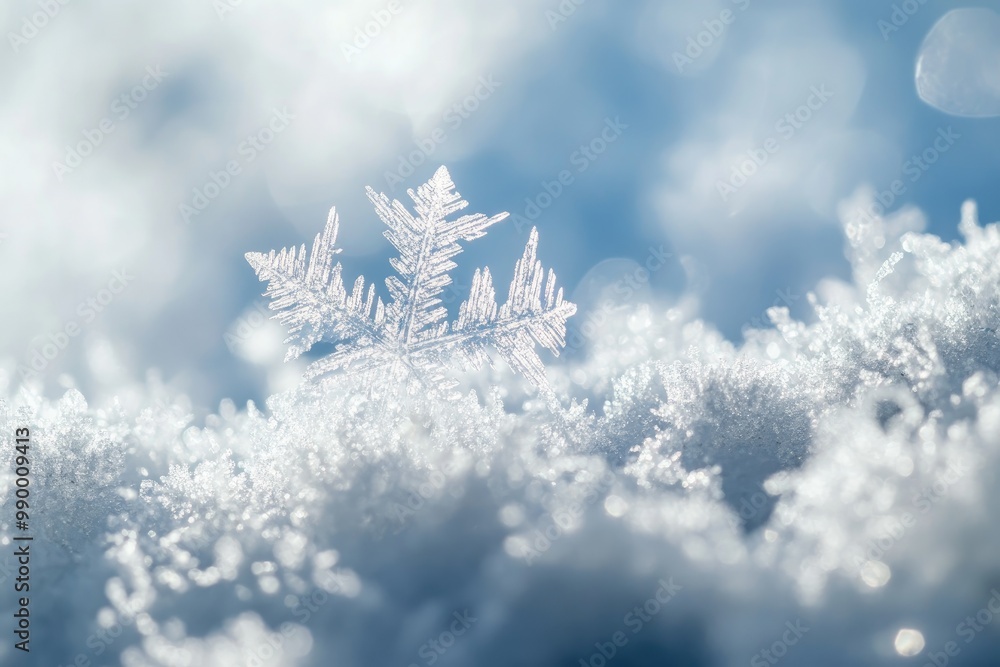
(409, 337)
(831, 474)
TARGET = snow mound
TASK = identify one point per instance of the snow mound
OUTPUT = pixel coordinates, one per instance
(824, 491)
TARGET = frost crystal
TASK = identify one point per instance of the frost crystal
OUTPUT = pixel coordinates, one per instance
(833, 472)
(409, 338)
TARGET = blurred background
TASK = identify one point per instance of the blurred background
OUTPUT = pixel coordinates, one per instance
(147, 147)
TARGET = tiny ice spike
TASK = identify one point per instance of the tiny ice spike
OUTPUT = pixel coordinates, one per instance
(409, 337)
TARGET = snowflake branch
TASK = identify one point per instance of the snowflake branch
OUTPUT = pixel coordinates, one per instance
(426, 245)
(310, 299)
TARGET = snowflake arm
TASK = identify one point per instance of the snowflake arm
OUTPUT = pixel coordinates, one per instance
(521, 323)
(409, 337)
(426, 244)
(310, 298)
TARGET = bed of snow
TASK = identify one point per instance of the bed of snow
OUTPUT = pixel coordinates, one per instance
(823, 494)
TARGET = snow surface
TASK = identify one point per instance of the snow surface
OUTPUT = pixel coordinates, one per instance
(824, 491)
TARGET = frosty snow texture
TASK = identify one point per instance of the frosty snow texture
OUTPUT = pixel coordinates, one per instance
(831, 482)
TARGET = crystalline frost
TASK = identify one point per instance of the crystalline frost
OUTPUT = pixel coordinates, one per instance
(838, 471)
(410, 337)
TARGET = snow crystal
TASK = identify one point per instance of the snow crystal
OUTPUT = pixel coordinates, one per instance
(408, 338)
(834, 476)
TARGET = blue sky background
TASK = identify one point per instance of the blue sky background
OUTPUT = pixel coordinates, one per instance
(354, 119)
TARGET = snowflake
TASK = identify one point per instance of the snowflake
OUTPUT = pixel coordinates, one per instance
(409, 337)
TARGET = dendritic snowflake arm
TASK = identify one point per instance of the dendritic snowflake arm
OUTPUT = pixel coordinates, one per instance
(310, 299)
(522, 322)
(426, 244)
(410, 336)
